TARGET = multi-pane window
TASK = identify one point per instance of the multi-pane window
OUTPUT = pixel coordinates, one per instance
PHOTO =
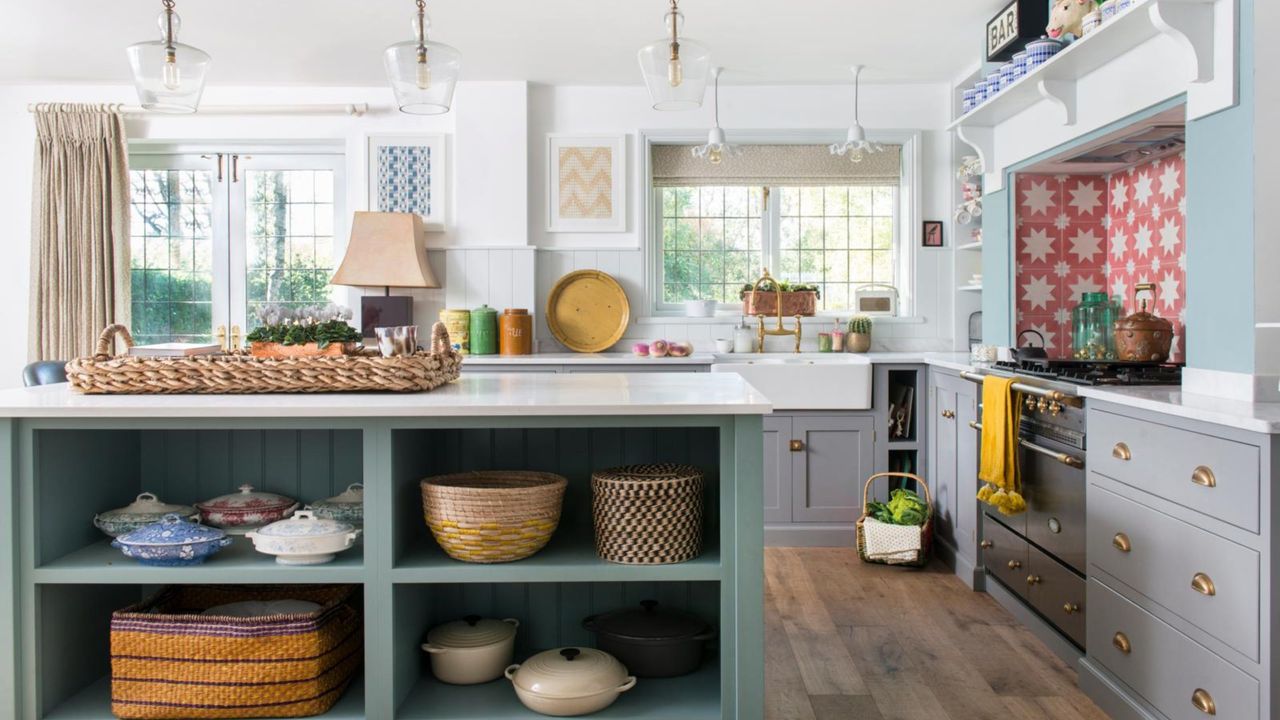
(290, 254)
(717, 239)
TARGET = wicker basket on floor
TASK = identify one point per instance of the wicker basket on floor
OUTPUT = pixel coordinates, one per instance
(926, 530)
(170, 661)
(648, 514)
(493, 517)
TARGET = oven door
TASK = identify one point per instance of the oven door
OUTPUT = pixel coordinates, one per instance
(1054, 492)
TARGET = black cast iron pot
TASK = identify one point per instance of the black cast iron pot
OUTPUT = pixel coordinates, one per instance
(652, 642)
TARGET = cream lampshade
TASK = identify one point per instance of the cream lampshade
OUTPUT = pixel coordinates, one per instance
(386, 250)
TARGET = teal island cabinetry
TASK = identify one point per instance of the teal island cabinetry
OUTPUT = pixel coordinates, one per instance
(68, 457)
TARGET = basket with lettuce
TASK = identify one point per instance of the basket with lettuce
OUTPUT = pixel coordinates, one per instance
(900, 531)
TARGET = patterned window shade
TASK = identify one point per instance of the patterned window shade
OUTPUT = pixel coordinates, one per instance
(775, 165)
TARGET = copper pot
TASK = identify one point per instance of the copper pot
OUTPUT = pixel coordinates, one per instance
(1143, 337)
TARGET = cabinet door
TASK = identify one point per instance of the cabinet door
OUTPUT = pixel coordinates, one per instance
(943, 479)
(777, 469)
(966, 525)
(829, 469)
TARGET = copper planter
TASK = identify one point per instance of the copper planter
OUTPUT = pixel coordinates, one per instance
(763, 302)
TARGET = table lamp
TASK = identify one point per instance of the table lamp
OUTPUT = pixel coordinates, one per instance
(386, 250)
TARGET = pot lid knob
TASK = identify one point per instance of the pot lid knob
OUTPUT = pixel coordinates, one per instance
(472, 620)
(246, 488)
(570, 653)
(649, 605)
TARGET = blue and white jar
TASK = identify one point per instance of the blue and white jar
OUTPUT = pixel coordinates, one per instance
(1020, 64)
(993, 84)
(982, 93)
(970, 99)
(1123, 5)
(1042, 51)
(1007, 75)
(172, 542)
(1110, 9)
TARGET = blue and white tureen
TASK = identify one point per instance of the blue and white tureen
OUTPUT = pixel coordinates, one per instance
(304, 539)
(347, 507)
(145, 510)
(174, 541)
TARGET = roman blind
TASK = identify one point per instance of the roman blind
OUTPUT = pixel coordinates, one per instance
(775, 165)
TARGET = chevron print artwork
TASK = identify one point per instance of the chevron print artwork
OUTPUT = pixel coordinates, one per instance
(586, 183)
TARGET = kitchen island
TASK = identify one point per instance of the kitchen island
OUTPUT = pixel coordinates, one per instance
(71, 456)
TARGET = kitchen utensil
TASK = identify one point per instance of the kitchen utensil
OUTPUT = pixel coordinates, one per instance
(145, 510)
(515, 332)
(238, 513)
(652, 641)
(588, 311)
(1142, 336)
(484, 331)
(495, 516)
(397, 341)
(472, 650)
(458, 323)
(724, 346)
(569, 681)
(700, 308)
(304, 539)
(348, 507)
(174, 541)
(1030, 352)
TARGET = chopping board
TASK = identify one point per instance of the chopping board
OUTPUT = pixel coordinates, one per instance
(588, 311)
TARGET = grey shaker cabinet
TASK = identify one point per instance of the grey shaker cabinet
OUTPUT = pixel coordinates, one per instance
(829, 469)
(777, 469)
(954, 462)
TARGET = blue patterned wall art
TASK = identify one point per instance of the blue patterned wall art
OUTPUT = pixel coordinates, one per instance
(404, 179)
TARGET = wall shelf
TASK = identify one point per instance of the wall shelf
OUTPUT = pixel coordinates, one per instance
(970, 246)
(969, 288)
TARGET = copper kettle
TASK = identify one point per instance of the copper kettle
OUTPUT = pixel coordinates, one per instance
(1143, 337)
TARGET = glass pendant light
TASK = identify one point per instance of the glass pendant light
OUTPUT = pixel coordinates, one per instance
(169, 76)
(717, 148)
(422, 74)
(856, 145)
(675, 68)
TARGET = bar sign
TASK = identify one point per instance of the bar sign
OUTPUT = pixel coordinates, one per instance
(1002, 30)
(1018, 23)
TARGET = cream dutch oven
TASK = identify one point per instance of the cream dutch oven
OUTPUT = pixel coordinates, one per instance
(569, 681)
(472, 650)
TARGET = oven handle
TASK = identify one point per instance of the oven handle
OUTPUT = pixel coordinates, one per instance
(1055, 395)
(1063, 458)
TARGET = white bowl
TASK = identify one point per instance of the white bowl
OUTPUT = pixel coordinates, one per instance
(304, 539)
(700, 308)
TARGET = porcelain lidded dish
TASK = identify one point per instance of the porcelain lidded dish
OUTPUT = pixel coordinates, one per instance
(147, 509)
(304, 539)
(569, 681)
(472, 650)
(347, 507)
(174, 541)
(238, 513)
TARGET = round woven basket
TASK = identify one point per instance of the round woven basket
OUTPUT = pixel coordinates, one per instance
(648, 514)
(493, 517)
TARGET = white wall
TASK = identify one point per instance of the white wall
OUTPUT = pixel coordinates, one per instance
(497, 163)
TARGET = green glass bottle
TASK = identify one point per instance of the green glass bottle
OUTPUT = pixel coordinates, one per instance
(484, 331)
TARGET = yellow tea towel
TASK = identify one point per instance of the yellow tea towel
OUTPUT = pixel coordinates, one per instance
(998, 468)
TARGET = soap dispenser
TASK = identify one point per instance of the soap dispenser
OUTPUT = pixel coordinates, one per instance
(744, 340)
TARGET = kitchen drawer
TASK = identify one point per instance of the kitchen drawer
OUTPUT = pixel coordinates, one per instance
(1057, 593)
(1166, 554)
(1163, 665)
(1005, 555)
(1178, 465)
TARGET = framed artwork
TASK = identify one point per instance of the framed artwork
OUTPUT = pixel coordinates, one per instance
(932, 233)
(586, 183)
(409, 173)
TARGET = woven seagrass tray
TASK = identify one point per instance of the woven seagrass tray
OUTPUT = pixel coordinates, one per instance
(241, 373)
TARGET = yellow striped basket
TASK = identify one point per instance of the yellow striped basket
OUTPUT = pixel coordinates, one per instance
(493, 517)
(169, 661)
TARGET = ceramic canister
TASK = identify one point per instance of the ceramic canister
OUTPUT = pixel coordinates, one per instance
(993, 84)
(516, 332)
(1020, 63)
(484, 331)
(970, 99)
(1008, 75)
(1109, 9)
(458, 323)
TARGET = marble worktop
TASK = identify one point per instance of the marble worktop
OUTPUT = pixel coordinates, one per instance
(476, 395)
(951, 360)
(1171, 400)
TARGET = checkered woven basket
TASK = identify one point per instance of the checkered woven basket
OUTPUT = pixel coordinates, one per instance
(648, 514)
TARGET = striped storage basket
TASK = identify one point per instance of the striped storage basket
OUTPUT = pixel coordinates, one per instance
(169, 661)
(493, 517)
(648, 514)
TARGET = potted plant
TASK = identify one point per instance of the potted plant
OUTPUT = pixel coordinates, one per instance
(858, 339)
(315, 331)
(797, 298)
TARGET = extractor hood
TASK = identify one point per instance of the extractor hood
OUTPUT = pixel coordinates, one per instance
(1148, 143)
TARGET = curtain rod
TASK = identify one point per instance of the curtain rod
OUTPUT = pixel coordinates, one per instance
(353, 109)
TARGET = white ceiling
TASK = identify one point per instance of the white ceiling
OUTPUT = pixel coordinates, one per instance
(563, 42)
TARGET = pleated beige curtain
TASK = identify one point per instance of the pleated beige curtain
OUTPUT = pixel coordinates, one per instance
(79, 229)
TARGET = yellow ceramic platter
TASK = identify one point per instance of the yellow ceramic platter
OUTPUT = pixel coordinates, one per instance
(588, 311)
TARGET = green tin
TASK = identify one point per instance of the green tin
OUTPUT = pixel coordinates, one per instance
(484, 331)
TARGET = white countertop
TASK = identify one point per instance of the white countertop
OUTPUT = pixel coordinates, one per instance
(477, 395)
(1171, 400)
(609, 358)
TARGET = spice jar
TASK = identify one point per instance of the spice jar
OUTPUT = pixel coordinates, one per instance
(458, 323)
(515, 332)
(484, 331)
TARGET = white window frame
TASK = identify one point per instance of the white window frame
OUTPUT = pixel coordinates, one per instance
(905, 230)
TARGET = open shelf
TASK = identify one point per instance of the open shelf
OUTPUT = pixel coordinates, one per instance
(94, 703)
(238, 563)
(569, 557)
(691, 697)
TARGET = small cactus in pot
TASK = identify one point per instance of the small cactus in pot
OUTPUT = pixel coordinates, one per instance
(858, 339)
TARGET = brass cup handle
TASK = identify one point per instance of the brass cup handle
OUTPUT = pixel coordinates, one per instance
(1204, 477)
(1203, 584)
(797, 446)
(1203, 701)
(986, 544)
(1014, 564)
(1121, 452)
(1033, 579)
(1070, 608)
(1121, 642)
(1121, 543)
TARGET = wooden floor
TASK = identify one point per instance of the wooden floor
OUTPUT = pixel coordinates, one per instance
(851, 641)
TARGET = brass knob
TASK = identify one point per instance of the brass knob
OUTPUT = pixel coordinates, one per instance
(986, 544)
(948, 414)
(1070, 608)
(1121, 642)
(1014, 564)
(1204, 477)
(1030, 403)
(1043, 405)
(1203, 701)
(1121, 452)
(1055, 407)
(797, 446)
(1202, 584)
(1121, 543)
(1033, 579)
